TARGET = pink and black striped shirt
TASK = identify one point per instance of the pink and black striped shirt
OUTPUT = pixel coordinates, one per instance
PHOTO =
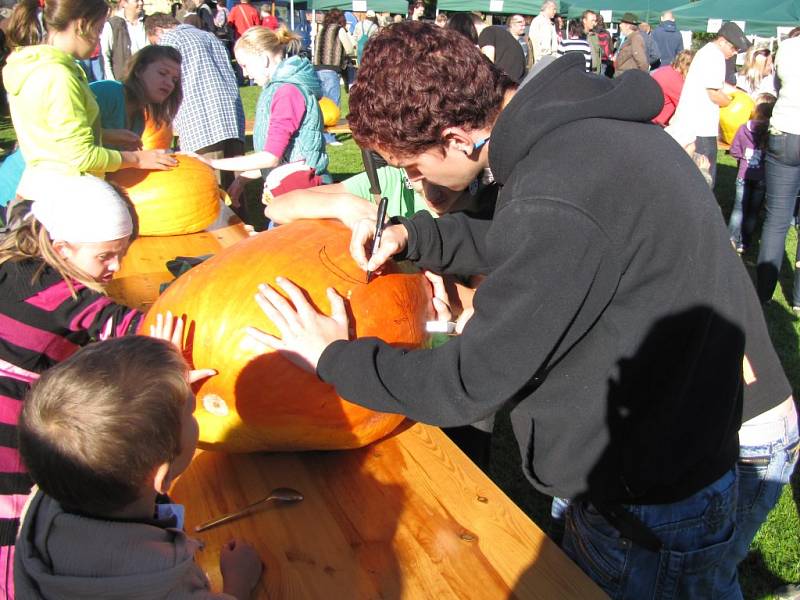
(41, 324)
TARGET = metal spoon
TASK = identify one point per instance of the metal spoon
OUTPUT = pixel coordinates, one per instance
(282, 494)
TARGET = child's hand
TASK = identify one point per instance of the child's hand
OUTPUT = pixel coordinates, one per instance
(241, 568)
(155, 160)
(171, 330)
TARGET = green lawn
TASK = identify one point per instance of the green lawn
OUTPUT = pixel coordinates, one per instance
(775, 555)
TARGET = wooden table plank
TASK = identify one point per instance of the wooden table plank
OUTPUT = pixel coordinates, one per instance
(144, 267)
(406, 517)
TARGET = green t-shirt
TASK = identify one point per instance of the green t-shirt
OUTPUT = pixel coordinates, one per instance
(403, 200)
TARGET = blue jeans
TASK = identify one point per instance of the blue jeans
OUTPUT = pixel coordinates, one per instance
(695, 532)
(746, 204)
(330, 89)
(782, 174)
(767, 456)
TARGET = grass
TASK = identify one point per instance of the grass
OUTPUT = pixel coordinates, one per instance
(775, 555)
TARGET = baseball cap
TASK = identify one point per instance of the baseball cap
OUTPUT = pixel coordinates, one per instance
(370, 13)
(733, 33)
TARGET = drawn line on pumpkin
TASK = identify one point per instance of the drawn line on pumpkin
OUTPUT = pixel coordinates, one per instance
(333, 268)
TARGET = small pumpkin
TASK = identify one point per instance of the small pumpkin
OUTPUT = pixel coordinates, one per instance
(258, 400)
(155, 137)
(184, 199)
(736, 114)
(330, 112)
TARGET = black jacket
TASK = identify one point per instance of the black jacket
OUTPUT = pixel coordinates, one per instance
(613, 310)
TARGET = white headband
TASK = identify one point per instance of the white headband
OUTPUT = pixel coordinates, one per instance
(80, 209)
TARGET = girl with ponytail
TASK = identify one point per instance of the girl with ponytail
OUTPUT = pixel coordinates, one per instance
(288, 124)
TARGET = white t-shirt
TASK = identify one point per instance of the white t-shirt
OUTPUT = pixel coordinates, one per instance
(786, 114)
(696, 114)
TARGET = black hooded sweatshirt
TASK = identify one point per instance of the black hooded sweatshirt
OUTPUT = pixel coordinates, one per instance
(613, 311)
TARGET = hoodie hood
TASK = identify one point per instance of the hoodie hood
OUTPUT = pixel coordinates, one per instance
(64, 555)
(22, 62)
(668, 26)
(562, 93)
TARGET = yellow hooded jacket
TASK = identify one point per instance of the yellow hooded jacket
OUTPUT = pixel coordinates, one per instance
(55, 116)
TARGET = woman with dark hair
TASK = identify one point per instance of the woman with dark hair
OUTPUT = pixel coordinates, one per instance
(54, 113)
(150, 93)
(462, 23)
(576, 42)
(331, 49)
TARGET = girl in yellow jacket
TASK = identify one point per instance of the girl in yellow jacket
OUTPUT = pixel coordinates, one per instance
(54, 113)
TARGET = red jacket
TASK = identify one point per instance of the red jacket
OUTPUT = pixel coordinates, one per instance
(671, 83)
(243, 17)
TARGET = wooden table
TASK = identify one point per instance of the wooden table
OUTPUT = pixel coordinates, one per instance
(144, 267)
(409, 516)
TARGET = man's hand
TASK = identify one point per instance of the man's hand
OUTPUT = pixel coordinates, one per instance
(394, 239)
(305, 333)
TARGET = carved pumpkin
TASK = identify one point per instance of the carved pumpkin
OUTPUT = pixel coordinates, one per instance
(259, 400)
(155, 137)
(736, 114)
(185, 199)
(330, 112)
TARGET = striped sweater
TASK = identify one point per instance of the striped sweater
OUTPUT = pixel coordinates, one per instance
(574, 45)
(40, 325)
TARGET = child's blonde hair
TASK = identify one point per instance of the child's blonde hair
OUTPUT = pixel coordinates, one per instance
(754, 68)
(95, 427)
(260, 40)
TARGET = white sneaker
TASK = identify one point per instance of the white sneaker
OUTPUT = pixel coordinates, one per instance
(335, 143)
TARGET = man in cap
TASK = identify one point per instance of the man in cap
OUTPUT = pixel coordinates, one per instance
(632, 51)
(705, 91)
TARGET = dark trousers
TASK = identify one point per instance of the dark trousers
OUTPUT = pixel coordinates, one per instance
(707, 146)
(782, 175)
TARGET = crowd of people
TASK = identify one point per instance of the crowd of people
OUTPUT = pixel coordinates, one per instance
(639, 386)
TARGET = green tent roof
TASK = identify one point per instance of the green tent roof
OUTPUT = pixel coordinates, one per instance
(392, 6)
(760, 17)
(490, 6)
(646, 10)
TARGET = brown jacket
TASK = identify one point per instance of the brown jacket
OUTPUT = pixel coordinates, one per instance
(632, 55)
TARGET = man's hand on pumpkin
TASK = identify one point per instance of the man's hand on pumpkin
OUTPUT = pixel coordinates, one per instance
(304, 332)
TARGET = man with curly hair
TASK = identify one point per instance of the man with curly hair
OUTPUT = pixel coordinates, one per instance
(612, 316)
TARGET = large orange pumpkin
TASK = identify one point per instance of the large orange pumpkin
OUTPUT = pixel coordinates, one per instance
(259, 400)
(185, 199)
(736, 114)
(155, 137)
(330, 112)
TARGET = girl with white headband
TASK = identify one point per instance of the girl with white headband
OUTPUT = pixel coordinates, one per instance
(52, 271)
